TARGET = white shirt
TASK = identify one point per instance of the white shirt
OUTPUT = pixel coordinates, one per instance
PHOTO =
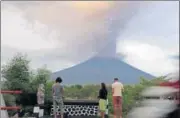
(118, 87)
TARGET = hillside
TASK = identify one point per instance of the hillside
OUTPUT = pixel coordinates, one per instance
(98, 69)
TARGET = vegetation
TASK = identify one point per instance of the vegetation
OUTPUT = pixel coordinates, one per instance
(20, 77)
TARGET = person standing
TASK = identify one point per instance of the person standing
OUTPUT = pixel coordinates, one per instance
(102, 99)
(58, 92)
(40, 94)
(117, 88)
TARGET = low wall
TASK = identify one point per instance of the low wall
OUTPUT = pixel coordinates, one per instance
(79, 108)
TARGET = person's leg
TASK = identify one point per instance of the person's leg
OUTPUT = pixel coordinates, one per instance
(61, 106)
(102, 107)
(102, 114)
(119, 106)
(55, 107)
(99, 108)
(114, 105)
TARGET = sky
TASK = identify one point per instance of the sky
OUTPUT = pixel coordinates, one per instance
(64, 34)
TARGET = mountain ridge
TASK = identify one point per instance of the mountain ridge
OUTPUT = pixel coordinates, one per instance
(98, 69)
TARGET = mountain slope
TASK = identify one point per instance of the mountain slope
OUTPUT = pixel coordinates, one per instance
(98, 69)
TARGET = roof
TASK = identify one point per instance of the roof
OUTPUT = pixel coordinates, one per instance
(174, 84)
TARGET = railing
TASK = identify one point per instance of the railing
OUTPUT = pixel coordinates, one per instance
(10, 107)
(10, 92)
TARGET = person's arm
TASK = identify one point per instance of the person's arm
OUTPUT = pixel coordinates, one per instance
(99, 93)
(122, 88)
(53, 90)
(112, 89)
(62, 91)
(107, 94)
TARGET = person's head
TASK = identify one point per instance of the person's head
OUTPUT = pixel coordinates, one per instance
(116, 79)
(58, 80)
(41, 87)
(103, 86)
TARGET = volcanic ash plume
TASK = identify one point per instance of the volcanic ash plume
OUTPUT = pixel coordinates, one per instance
(79, 26)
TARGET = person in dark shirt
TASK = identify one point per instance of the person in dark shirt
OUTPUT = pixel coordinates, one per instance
(102, 99)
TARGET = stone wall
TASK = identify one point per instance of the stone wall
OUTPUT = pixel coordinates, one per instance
(79, 108)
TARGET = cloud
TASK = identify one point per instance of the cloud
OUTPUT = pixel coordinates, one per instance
(17, 33)
(151, 37)
(60, 34)
(147, 57)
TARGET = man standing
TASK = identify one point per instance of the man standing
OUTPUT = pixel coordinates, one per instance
(117, 88)
(58, 92)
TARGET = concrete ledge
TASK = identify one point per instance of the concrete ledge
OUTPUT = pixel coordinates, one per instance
(81, 102)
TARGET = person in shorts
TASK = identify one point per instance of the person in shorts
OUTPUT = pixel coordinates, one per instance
(117, 88)
(102, 99)
(57, 90)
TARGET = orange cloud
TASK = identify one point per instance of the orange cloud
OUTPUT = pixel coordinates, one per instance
(92, 5)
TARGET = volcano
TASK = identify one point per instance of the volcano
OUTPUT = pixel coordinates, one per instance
(105, 65)
(101, 69)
